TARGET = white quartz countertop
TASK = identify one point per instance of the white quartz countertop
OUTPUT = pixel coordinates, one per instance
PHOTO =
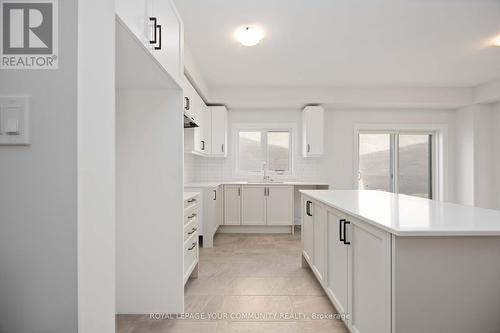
(294, 183)
(404, 215)
(189, 195)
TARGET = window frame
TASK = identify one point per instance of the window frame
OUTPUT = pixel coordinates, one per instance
(438, 152)
(264, 128)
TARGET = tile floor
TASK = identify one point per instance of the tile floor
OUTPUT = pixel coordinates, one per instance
(248, 274)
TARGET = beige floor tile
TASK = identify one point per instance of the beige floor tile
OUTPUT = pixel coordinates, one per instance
(208, 285)
(203, 303)
(258, 286)
(323, 326)
(257, 327)
(267, 305)
(184, 326)
(305, 285)
(310, 305)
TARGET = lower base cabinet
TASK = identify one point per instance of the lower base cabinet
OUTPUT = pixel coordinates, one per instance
(352, 261)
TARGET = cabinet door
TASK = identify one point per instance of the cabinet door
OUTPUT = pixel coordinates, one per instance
(136, 15)
(313, 127)
(207, 129)
(319, 224)
(370, 278)
(219, 131)
(168, 49)
(280, 205)
(307, 230)
(199, 145)
(336, 263)
(253, 205)
(232, 205)
(210, 211)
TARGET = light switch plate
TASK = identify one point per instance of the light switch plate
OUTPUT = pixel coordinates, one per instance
(14, 121)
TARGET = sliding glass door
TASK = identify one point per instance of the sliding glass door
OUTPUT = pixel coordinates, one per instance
(396, 162)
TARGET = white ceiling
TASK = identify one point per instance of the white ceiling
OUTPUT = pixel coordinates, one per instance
(424, 43)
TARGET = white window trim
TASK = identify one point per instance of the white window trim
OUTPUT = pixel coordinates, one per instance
(292, 127)
(440, 189)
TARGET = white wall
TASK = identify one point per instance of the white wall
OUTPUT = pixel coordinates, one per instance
(38, 196)
(96, 166)
(337, 165)
(496, 156)
(464, 173)
(216, 169)
(149, 204)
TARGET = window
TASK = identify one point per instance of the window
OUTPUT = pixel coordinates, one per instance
(264, 148)
(396, 162)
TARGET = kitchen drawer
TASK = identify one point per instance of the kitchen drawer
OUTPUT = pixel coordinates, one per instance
(190, 254)
(191, 202)
(190, 228)
(191, 216)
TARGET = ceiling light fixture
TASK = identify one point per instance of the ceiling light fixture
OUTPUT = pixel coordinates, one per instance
(496, 41)
(249, 35)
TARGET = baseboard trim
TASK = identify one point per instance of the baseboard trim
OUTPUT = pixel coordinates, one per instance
(255, 229)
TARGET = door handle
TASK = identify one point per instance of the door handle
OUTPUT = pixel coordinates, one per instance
(202, 145)
(215, 194)
(341, 230)
(187, 107)
(308, 208)
(308, 148)
(345, 234)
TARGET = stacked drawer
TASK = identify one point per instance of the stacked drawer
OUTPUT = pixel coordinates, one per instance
(191, 225)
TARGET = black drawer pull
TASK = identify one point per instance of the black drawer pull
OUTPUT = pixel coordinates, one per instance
(308, 208)
(154, 41)
(192, 216)
(159, 38)
(192, 231)
(192, 247)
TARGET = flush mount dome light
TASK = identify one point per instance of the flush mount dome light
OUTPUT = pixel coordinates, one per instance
(496, 41)
(249, 35)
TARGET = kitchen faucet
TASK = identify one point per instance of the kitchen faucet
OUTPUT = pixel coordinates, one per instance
(264, 171)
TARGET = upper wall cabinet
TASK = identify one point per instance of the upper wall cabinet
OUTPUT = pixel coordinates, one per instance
(219, 131)
(158, 26)
(210, 137)
(312, 131)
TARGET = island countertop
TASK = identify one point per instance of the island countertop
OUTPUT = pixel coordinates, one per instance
(404, 215)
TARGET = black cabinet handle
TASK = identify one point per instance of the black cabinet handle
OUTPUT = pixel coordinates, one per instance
(192, 247)
(341, 230)
(308, 208)
(222, 147)
(154, 41)
(215, 194)
(159, 38)
(308, 148)
(188, 106)
(239, 191)
(192, 231)
(202, 145)
(345, 234)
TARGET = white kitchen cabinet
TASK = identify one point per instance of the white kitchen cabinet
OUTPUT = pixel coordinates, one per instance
(158, 26)
(206, 129)
(253, 205)
(232, 204)
(209, 215)
(369, 258)
(168, 50)
(136, 15)
(307, 231)
(337, 265)
(279, 207)
(319, 230)
(352, 261)
(312, 131)
(191, 232)
(219, 131)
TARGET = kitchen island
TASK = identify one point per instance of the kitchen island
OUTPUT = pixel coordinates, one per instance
(396, 263)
